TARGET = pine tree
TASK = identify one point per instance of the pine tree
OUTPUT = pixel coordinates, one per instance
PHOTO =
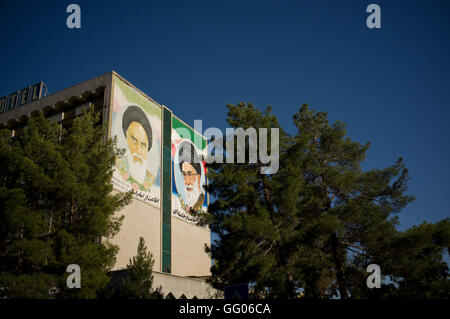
(139, 280)
(56, 208)
(315, 225)
(412, 261)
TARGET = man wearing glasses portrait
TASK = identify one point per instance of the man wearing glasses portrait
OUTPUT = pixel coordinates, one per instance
(190, 167)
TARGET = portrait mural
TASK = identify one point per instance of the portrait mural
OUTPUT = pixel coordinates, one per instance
(136, 123)
(189, 172)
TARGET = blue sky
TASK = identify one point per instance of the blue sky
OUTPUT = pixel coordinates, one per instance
(390, 85)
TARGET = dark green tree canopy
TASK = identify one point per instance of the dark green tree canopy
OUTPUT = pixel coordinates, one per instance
(57, 207)
(312, 228)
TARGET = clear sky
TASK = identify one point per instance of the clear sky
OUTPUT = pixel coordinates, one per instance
(390, 85)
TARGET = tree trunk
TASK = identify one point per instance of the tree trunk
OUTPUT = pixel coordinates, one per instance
(338, 263)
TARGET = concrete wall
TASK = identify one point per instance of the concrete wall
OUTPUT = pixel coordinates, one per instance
(188, 240)
(188, 254)
(140, 220)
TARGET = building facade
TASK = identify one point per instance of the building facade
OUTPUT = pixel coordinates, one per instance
(162, 164)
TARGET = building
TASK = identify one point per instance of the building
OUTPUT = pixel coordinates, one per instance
(167, 185)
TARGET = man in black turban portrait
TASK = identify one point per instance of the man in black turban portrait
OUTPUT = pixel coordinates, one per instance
(190, 167)
(138, 133)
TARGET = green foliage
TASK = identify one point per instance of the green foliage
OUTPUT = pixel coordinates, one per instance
(316, 224)
(55, 208)
(139, 279)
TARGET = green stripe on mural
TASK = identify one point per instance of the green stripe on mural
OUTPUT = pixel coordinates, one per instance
(166, 263)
